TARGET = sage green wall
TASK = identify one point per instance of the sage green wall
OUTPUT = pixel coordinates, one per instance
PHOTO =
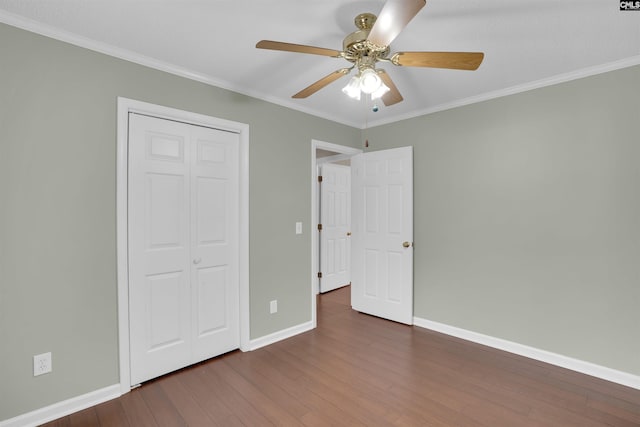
(58, 209)
(527, 217)
(526, 213)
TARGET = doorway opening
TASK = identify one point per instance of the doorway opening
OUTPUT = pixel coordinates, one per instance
(322, 153)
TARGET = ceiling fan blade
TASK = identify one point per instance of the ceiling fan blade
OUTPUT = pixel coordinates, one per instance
(452, 60)
(313, 88)
(300, 48)
(395, 15)
(393, 96)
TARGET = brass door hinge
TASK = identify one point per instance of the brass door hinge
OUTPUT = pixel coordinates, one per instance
(319, 227)
(319, 275)
(319, 178)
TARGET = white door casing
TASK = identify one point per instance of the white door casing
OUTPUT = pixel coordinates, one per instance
(382, 234)
(335, 217)
(183, 244)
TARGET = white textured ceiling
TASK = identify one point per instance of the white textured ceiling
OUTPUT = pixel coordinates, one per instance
(527, 43)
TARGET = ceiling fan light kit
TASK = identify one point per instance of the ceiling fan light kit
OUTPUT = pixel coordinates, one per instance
(368, 45)
(368, 82)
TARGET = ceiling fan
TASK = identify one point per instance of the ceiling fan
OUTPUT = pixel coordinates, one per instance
(369, 45)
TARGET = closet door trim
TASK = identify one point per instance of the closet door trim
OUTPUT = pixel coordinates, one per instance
(126, 106)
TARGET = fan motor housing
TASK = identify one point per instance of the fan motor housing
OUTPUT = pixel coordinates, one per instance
(355, 46)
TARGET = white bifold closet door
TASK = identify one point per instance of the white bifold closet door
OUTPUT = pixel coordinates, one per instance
(183, 244)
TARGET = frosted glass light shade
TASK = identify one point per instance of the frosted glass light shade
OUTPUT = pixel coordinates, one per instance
(381, 91)
(352, 89)
(369, 81)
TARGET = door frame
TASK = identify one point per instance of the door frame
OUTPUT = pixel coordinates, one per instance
(126, 106)
(348, 152)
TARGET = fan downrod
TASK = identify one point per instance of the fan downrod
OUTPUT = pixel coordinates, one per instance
(365, 21)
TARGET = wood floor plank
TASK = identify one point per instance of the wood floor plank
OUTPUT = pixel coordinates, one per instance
(136, 410)
(85, 418)
(396, 360)
(185, 403)
(615, 413)
(164, 412)
(254, 379)
(358, 370)
(277, 414)
(290, 378)
(111, 414)
(375, 379)
(231, 398)
(338, 388)
(195, 380)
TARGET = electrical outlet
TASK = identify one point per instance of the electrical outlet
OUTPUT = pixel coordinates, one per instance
(273, 306)
(42, 364)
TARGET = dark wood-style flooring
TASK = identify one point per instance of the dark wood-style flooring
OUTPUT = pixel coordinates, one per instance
(358, 370)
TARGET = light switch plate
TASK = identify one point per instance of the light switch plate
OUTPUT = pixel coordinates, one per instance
(298, 228)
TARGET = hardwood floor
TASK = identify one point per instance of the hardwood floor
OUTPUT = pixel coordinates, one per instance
(358, 370)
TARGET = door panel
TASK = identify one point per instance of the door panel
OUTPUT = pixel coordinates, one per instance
(382, 268)
(165, 211)
(212, 309)
(159, 295)
(215, 236)
(335, 216)
(210, 214)
(166, 308)
(183, 245)
(371, 273)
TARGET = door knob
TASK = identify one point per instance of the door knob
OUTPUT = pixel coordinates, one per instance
(406, 244)
(197, 260)
(348, 233)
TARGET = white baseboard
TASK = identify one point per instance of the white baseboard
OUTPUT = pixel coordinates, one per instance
(75, 404)
(602, 372)
(279, 336)
(61, 409)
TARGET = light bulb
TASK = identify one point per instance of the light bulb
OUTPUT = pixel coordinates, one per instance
(369, 81)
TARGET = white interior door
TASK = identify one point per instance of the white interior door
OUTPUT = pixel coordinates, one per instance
(214, 242)
(183, 245)
(382, 234)
(335, 217)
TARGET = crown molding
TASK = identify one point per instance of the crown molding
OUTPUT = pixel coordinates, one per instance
(136, 58)
(513, 90)
(130, 56)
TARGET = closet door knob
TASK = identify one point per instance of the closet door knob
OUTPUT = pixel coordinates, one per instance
(197, 260)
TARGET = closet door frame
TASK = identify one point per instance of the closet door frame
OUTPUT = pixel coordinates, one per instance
(126, 106)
